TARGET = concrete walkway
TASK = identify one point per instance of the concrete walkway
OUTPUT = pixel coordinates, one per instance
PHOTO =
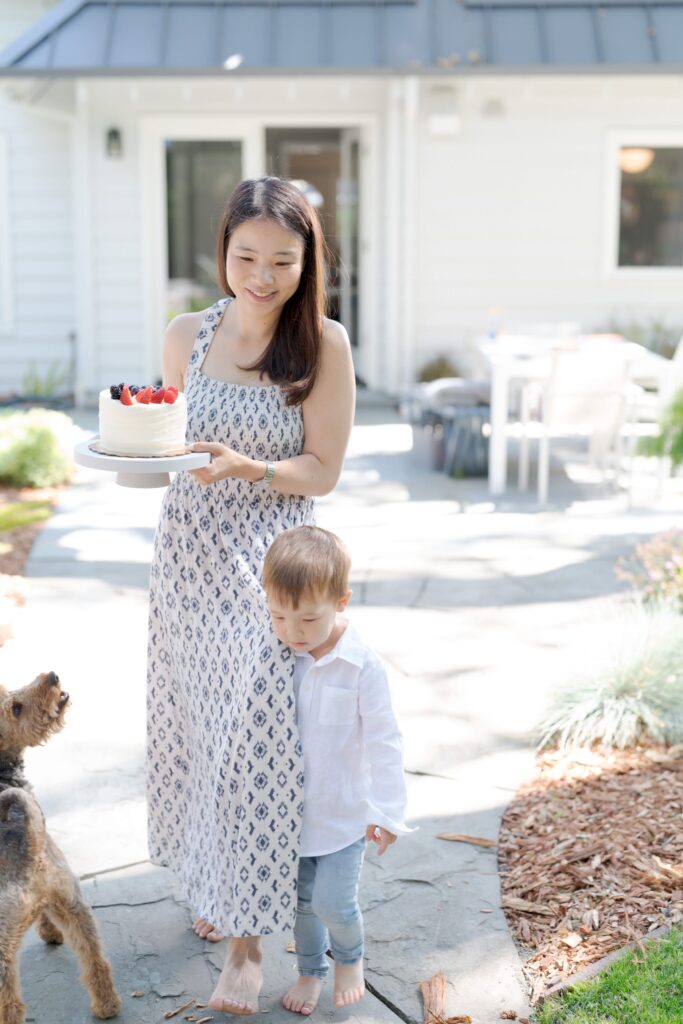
(480, 610)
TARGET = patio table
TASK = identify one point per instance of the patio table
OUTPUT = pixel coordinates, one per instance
(519, 360)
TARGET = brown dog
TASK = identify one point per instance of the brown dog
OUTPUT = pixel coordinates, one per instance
(36, 883)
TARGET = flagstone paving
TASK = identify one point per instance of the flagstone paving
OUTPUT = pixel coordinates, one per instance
(481, 610)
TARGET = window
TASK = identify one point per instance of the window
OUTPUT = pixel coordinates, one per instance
(5, 295)
(650, 206)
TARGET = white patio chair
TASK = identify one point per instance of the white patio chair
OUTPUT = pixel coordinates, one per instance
(645, 409)
(585, 394)
(424, 399)
(649, 406)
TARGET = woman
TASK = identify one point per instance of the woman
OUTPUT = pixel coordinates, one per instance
(270, 390)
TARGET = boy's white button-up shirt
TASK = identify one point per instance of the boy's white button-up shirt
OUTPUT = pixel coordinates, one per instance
(352, 747)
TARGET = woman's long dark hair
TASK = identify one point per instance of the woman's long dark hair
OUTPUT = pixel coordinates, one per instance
(292, 357)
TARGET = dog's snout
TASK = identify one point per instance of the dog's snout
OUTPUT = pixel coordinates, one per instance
(53, 679)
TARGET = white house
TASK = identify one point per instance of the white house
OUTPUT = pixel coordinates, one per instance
(478, 161)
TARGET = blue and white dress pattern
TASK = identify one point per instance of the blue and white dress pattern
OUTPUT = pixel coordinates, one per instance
(224, 765)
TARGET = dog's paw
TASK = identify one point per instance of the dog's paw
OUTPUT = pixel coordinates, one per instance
(49, 932)
(106, 1008)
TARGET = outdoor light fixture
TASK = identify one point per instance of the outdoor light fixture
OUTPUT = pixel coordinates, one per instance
(635, 159)
(114, 142)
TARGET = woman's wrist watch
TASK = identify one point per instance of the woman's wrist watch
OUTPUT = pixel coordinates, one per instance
(269, 473)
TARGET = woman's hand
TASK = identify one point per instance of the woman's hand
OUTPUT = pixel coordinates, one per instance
(224, 463)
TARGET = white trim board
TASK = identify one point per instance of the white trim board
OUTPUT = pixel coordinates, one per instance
(614, 140)
(250, 130)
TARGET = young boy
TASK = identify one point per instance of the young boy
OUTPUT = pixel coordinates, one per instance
(354, 789)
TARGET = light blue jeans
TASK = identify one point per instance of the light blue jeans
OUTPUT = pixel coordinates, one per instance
(327, 911)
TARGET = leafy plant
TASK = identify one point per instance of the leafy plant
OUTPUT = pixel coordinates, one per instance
(34, 447)
(440, 366)
(656, 568)
(194, 304)
(636, 698)
(653, 333)
(669, 441)
(48, 384)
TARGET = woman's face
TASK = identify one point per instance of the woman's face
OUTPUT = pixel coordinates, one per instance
(264, 264)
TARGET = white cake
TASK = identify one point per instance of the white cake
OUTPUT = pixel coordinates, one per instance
(142, 428)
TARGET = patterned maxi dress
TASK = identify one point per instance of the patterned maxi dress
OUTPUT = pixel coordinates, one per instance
(224, 767)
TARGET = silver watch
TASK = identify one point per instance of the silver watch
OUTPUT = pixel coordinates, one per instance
(269, 474)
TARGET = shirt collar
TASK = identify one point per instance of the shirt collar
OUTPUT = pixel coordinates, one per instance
(349, 647)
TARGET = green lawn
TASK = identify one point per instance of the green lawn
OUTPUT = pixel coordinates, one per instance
(23, 513)
(629, 992)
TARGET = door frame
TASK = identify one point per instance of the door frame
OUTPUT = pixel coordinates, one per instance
(369, 200)
(154, 133)
(250, 130)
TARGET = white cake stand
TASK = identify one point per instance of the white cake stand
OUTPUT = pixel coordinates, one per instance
(149, 471)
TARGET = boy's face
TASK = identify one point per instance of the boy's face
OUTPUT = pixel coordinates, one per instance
(307, 627)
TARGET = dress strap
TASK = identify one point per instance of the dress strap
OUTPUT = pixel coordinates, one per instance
(205, 334)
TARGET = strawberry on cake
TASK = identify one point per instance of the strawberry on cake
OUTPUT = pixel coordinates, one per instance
(142, 421)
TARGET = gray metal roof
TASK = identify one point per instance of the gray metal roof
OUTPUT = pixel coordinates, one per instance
(104, 37)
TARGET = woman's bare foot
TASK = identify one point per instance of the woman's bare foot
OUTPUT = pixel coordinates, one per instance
(303, 996)
(204, 930)
(349, 985)
(240, 981)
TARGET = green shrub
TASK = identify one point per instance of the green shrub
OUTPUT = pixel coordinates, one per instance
(440, 366)
(669, 441)
(34, 448)
(655, 568)
(636, 698)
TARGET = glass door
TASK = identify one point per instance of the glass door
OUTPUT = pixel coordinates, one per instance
(324, 163)
(200, 175)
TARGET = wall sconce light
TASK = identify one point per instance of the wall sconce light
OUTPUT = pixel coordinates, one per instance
(114, 143)
(635, 159)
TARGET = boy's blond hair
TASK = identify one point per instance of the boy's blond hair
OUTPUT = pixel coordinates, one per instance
(307, 561)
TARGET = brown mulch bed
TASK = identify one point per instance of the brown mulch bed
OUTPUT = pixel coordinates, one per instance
(15, 546)
(20, 540)
(591, 856)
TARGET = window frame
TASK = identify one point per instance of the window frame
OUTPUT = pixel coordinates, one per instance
(661, 138)
(6, 298)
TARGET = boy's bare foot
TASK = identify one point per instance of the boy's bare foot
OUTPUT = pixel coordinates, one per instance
(240, 980)
(349, 985)
(303, 995)
(206, 931)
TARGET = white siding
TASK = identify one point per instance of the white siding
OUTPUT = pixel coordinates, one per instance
(118, 315)
(504, 220)
(39, 225)
(513, 208)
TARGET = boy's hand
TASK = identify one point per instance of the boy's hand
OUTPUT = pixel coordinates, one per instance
(381, 836)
